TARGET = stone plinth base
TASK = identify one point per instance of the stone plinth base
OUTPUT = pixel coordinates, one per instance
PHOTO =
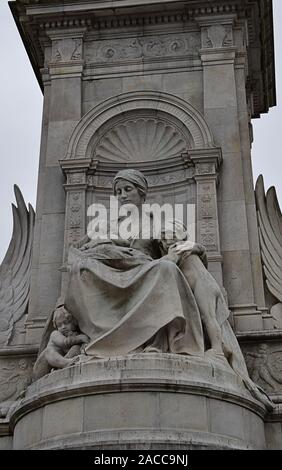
(144, 401)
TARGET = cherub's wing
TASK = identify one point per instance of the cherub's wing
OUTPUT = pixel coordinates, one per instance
(270, 233)
(15, 270)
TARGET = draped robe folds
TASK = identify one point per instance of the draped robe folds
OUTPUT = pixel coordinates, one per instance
(124, 299)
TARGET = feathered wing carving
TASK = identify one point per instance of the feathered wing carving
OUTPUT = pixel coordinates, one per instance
(15, 270)
(270, 234)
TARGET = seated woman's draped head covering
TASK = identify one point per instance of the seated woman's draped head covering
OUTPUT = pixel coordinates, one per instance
(133, 176)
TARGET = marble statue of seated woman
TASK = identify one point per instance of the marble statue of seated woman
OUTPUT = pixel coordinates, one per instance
(126, 296)
(137, 294)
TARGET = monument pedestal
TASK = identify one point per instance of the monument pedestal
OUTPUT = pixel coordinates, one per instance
(143, 401)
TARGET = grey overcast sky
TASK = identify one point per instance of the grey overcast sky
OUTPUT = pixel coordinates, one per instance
(20, 123)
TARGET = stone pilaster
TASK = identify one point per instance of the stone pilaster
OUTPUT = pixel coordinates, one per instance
(76, 172)
(207, 165)
(220, 96)
(62, 77)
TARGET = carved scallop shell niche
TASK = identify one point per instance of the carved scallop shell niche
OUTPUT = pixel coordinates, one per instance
(141, 138)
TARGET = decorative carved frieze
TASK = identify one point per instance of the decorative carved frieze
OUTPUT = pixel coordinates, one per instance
(104, 181)
(74, 235)
(207, 206)
(175, 177)
(208, 234)
(153, 180)
(142, 47)
(76, 178)
(206, 172)
(167, 176)
(75, 217)
(205, 169)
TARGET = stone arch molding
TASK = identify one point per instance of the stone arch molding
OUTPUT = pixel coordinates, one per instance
(193, 130)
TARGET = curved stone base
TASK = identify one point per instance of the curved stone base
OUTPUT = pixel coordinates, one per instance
(142, 401)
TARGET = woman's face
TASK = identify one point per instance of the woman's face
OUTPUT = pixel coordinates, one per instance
(127, 193)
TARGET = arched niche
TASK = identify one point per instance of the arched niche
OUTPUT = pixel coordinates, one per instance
(159, 134)
(147, 125)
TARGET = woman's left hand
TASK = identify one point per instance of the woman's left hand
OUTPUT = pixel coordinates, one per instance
(172, 256)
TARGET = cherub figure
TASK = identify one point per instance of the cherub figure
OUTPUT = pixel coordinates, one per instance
(64, 346)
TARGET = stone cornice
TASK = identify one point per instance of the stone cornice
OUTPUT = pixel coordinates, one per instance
(261, 335)
(206, 156)
(20, 351)
(111, 168)
(261, 56)
(47, 7)
(35, 18)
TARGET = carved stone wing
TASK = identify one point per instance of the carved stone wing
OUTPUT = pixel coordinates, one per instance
(15, 270)
(270, 233)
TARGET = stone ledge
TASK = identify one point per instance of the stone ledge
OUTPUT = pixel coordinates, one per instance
(153, 400)
(19, 351)
(261, 335)
(140, 372)
(143, 439)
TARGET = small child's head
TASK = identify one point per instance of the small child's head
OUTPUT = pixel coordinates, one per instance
(174, 231)
(63, 321)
